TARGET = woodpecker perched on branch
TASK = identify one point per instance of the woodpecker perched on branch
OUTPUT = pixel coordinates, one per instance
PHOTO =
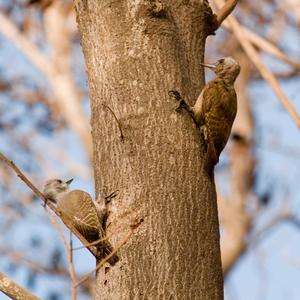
(85, 214)
(216, 106)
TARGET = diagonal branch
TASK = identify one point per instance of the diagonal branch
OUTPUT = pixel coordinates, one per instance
(35, 190)
(268, 47)
(265, 45)
(13, 290)
(63, 87)
(226, 10)
(261, 67)
(68, 252)
(133, 227)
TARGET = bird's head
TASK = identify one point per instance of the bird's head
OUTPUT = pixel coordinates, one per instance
(53, 187)
(225, 68)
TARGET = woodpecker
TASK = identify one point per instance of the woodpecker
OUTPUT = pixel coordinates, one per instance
(85, 214)
(216, 106)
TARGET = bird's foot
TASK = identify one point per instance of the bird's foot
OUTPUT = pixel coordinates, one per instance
(106, 197)
(182, 103)
(109, 197)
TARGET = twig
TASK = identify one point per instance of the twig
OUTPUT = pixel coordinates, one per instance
(118, 122)
(63, 87)
(73, 273)
(226, 10)
(262, 68)
(64, 218)
(8, 29)
(133, 227)
(32, 265)
(68, 252)
(13, 290)
(269, 48)
(99, 240)
(265, 45)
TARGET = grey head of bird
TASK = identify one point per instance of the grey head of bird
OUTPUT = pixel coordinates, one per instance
(225, 68)
(54, 187)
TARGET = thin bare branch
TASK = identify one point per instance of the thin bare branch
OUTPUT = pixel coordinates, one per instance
(133, 227)
(68, 252)
(19, 258)
(73, 273)
(261, 67)
(63, 87)
(13, 290)
(117, 120)
(10, 31)
(265, 45)
(270, 48)
(105, 238)
(64, 218)
(226, 10)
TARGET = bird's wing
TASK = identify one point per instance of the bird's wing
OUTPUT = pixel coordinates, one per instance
(210, 95)
(79, 207)
(218, 111)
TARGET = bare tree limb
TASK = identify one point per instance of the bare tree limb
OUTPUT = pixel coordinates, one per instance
(13, 290)
(226, 10)
(133, 227)
(269, 48)
(261, 67)
(266, 46)
(63, 87)
(19, 258)
(69, 254)
(64, 218)
(116, 231)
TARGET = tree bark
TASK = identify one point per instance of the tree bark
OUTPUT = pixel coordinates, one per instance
(135, 52)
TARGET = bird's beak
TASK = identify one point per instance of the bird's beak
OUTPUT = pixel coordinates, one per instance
(208, 66)
(69, 181)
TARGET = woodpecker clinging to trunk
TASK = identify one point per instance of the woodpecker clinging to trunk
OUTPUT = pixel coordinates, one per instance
(216, 106)
(85, 214)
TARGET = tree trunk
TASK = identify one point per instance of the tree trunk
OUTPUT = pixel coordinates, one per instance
(135, 52)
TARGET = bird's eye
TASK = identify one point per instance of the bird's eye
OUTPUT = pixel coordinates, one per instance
(221, 60)
(59, 181)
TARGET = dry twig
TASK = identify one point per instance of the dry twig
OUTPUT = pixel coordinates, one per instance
(262, 68)
(68, 252)
(13, 290)
(133, 227)
(63, 87)
(265, 45)
(19, 258)
(226, 10)
(105, 238)
(115, 117)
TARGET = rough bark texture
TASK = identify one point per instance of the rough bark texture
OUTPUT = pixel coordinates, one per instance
(135, 52)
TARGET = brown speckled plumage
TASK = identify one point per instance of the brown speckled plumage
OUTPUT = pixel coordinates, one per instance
(218, 113)
(216, 106)
(81, 210)
(79, 206)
